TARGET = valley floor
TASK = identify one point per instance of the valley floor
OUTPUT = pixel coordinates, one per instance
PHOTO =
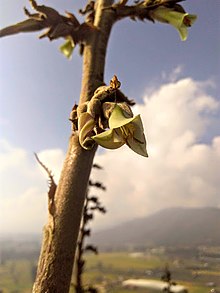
(107, 271)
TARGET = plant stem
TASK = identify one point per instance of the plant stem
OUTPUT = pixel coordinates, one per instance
(60, 238)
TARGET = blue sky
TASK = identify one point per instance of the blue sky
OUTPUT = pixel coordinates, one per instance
(39, 87)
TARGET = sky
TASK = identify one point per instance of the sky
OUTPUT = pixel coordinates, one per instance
(176, 88)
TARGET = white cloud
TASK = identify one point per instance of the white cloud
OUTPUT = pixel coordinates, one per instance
(173, 75)
(181, 170)
(53, 159)
(23, 188)
(24, 213)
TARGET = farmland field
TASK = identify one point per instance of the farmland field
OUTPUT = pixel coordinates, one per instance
(111, 268)
(108, 270)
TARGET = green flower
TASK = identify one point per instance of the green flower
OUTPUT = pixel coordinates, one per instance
(123, 130)
(67, 48)
(180, 20)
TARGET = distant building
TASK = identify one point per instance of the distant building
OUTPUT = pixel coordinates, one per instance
(156, 285)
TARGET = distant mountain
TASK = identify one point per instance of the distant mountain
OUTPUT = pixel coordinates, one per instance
(169, 227)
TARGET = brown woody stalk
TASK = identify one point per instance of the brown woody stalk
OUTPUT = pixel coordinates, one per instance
(61, 232)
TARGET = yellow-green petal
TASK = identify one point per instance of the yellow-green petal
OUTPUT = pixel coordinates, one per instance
(110, 139)
(137, 147)
(67, 48)
(137, 141)
(180, 20)
(188, 20)
(118, 119)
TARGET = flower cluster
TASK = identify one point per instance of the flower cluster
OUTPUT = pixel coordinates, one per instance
(107, 120)
(123, 130)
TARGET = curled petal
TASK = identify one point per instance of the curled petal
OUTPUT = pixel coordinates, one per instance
(118, 118)
(86, 125)
(137, 141)
(110, 139)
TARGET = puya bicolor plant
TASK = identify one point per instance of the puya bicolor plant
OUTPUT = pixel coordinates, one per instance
(103, 115)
